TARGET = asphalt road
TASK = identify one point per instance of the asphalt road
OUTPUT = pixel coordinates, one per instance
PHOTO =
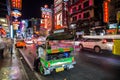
(89, 66)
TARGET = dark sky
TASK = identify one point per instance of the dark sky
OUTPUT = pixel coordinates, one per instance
(31, 8)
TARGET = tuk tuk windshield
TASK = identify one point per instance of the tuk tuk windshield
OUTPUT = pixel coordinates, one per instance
(55, 44)
(58, 56)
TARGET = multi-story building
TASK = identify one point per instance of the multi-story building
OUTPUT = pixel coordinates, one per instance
(3, 8)
(4, 15)
(86, 14)
(114, 7)
(114, 17)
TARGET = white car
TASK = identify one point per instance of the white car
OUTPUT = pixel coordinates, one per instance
(97, 44)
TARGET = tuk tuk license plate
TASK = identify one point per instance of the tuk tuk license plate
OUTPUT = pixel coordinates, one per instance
(59, 69)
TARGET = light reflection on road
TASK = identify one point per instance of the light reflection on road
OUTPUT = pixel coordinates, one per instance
(10, 73)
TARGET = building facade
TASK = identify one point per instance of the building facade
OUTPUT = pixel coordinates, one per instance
(114, 8)
(114, 17)
(60, 14)
(85, 14)
(3, 8)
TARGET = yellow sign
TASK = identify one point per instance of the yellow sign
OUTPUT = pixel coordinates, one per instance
(59, 69)
(66, 49)
(55, 51)
(116, 47)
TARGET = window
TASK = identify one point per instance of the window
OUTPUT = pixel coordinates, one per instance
(86, 4)
(79, 16)
(74, 1)
(86, 15)
(58, 56)
(79, 7)
(93, 40)
(74, 9)
(74, 18)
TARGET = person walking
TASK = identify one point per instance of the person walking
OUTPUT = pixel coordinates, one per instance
(2, 47)
(11, 47)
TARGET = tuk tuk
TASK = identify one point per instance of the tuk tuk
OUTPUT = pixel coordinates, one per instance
(56, 55)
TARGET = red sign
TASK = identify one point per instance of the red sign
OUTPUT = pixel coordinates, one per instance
(16, 4)
(106, 12)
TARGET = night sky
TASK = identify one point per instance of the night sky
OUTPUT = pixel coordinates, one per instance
(31, 8)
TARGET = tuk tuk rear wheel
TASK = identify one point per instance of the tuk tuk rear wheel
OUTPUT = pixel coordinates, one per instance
(41, 69)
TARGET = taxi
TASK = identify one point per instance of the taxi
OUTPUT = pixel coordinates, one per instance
(20, 43)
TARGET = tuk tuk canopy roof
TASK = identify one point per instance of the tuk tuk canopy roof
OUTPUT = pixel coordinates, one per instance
(60, 36)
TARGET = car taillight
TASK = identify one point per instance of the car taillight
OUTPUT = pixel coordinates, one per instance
(48, 64)
(104, 41)
(113, 40)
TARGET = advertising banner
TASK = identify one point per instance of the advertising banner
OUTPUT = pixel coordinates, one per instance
(58, 8)
(58, 21)
(17, 4)
(47, 18)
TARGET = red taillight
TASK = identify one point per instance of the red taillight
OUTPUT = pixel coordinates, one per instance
(104, 41)
(113, 40)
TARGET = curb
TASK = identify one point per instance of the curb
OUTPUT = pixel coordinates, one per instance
(24, 70)
(29, 64)
(31, 67)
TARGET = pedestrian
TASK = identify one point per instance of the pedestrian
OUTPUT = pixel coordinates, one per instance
(2, 47)
(37, 59)
(11, 47)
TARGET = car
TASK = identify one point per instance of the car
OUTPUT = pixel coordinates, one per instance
(20, 43)
(96, 43)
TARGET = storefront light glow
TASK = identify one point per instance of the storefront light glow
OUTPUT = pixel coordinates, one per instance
(11, 31)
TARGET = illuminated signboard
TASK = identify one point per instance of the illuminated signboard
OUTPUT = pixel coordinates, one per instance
(58, 8)
(16, 13)
(58, 21)
(59, 31)
(57, 2)
(106, 12)
(46, 13)
(113, 26)
(17, 4)
(46, 9)
(47, 18)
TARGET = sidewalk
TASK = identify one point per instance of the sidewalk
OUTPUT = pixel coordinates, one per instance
(11, 68)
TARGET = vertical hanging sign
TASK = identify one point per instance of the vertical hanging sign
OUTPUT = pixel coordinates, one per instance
(106, 12)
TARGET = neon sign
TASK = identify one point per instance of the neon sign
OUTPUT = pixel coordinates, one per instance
(16, 4)
(106, 13)
(58, 8)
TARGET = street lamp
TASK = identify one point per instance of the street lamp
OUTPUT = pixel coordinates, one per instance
(73, 27)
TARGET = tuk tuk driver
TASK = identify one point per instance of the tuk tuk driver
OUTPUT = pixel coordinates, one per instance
(40, 51)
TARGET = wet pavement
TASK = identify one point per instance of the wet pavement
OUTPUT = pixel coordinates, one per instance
(11, 68)
(84, 69)
(88, 67)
